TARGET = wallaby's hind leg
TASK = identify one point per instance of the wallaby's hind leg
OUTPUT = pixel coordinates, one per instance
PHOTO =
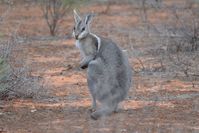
(94, 71)
(104, 111)
(91, 86)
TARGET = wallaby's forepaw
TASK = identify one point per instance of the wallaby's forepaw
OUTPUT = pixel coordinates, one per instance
(84, 66)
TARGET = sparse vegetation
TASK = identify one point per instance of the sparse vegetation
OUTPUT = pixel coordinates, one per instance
(4, 76)
(15, 82)
(54, 11)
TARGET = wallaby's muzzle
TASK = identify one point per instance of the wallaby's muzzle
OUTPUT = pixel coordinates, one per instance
(76, 37)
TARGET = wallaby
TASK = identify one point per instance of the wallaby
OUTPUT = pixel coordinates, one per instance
(108, 74)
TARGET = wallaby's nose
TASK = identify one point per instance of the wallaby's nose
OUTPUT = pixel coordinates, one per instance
(76, 37)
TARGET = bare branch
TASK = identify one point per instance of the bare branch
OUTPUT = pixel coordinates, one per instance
(53, 11)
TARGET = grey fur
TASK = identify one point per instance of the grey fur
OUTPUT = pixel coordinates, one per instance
(108, 74)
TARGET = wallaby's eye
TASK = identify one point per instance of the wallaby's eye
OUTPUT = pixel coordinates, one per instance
(74, 28)
(83, 29)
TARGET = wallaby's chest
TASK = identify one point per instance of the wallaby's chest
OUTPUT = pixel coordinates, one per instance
(86, 48)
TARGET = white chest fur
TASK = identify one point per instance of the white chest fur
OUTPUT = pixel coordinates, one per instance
(77, 44)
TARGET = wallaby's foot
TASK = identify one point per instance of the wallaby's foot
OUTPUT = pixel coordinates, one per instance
(95, 115)
(116, 109)
(98, 114)
(94, 106)
(102, 112)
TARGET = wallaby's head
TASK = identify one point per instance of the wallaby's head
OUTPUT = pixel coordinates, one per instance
(81, 28)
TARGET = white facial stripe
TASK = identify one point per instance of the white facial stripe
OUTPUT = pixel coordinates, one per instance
(82, 35)
(77, 44)
(98, 41)
(73, 33)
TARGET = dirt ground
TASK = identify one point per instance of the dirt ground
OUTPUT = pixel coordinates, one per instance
(158, 102)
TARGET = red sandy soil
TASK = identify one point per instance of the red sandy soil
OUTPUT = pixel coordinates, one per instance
(154, 104)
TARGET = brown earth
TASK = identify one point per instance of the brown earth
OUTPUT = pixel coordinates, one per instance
(157, 103)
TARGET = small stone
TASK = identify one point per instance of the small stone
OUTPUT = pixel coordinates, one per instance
(33, 110)
(123, 130)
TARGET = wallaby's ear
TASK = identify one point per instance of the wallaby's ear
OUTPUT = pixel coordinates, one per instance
(88, 18)
(76, 16)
